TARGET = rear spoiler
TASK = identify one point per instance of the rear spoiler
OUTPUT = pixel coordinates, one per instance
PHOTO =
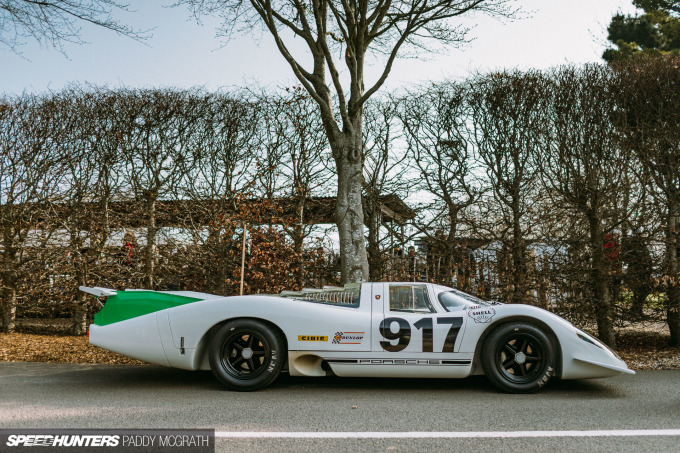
(98, 292)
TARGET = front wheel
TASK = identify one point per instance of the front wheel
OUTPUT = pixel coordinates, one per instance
(246, 354)
(518, 358)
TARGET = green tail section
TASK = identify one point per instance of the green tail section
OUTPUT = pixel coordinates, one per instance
(130, 304)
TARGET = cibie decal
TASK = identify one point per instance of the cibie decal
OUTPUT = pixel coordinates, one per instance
(312, 338)
(482, 315)
(348, 337)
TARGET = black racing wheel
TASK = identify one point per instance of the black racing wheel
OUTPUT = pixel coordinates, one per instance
(246, 354)
(518, 357)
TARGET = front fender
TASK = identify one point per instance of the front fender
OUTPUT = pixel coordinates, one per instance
(580, 355)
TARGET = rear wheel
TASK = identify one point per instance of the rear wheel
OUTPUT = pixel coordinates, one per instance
(246, 354)
(518, 358)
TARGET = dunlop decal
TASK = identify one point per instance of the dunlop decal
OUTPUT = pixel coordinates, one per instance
(348, 337)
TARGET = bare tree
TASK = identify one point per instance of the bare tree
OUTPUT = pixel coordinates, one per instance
(649, 94)
(386, 172)
(270, 136)
(90, 154)
(508, 111)
(584, 168)
(352, 30)
(222, 169)
(29, 175)
(641, 215)
(300, 138)
(159, 145)
(53, 22)
(435, 124)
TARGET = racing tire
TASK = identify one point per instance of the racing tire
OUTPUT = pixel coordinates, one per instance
(518, 357)
(246, 354)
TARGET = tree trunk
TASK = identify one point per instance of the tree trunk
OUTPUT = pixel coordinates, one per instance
(451, 265)
(375, 261)
(673, 292)
(80, 315)
(349, 212)
(9, 306)
(298, 248)
(519, 267)
(637, 307)
(601, 283)
(222, 250)
(150, 264)
(9, 280)
(80, 312)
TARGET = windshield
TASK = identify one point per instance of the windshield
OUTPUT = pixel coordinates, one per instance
(456, 300)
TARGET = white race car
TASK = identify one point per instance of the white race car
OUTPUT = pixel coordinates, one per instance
(369, 329)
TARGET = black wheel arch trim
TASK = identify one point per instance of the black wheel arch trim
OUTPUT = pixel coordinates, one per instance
(477, 362)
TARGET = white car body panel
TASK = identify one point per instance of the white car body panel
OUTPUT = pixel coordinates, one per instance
(348, 340)
(138, 338)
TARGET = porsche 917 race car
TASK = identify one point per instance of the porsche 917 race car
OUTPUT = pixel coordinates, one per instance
(369, 329)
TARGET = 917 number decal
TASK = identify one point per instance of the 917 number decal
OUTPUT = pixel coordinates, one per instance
(403, 335)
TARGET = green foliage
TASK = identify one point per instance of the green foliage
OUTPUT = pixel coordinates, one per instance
(670, 6)
(654, 33)
(657, 300)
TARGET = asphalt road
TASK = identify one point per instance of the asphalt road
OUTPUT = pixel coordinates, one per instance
(36, 395)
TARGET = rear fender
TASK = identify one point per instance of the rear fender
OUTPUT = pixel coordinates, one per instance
(200, 359)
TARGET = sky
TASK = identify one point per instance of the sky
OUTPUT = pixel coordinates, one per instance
(183, 53)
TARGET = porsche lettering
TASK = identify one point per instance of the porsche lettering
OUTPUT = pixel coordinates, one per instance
(400, 361)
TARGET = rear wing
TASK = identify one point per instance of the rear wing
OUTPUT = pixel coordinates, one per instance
(131, 303)
(98, 292)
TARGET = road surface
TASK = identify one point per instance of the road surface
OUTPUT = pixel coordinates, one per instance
(621, 414)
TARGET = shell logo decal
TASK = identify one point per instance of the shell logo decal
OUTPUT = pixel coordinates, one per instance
(482, 315)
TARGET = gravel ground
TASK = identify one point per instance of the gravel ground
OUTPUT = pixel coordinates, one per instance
(21, 347)
(647, 350)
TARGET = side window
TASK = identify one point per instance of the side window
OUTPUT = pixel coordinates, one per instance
(410, 299)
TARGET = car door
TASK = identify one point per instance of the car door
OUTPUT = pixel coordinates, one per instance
(411, 336)
(414, 325)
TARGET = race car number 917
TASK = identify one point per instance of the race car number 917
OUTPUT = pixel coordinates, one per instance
(424, 324)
